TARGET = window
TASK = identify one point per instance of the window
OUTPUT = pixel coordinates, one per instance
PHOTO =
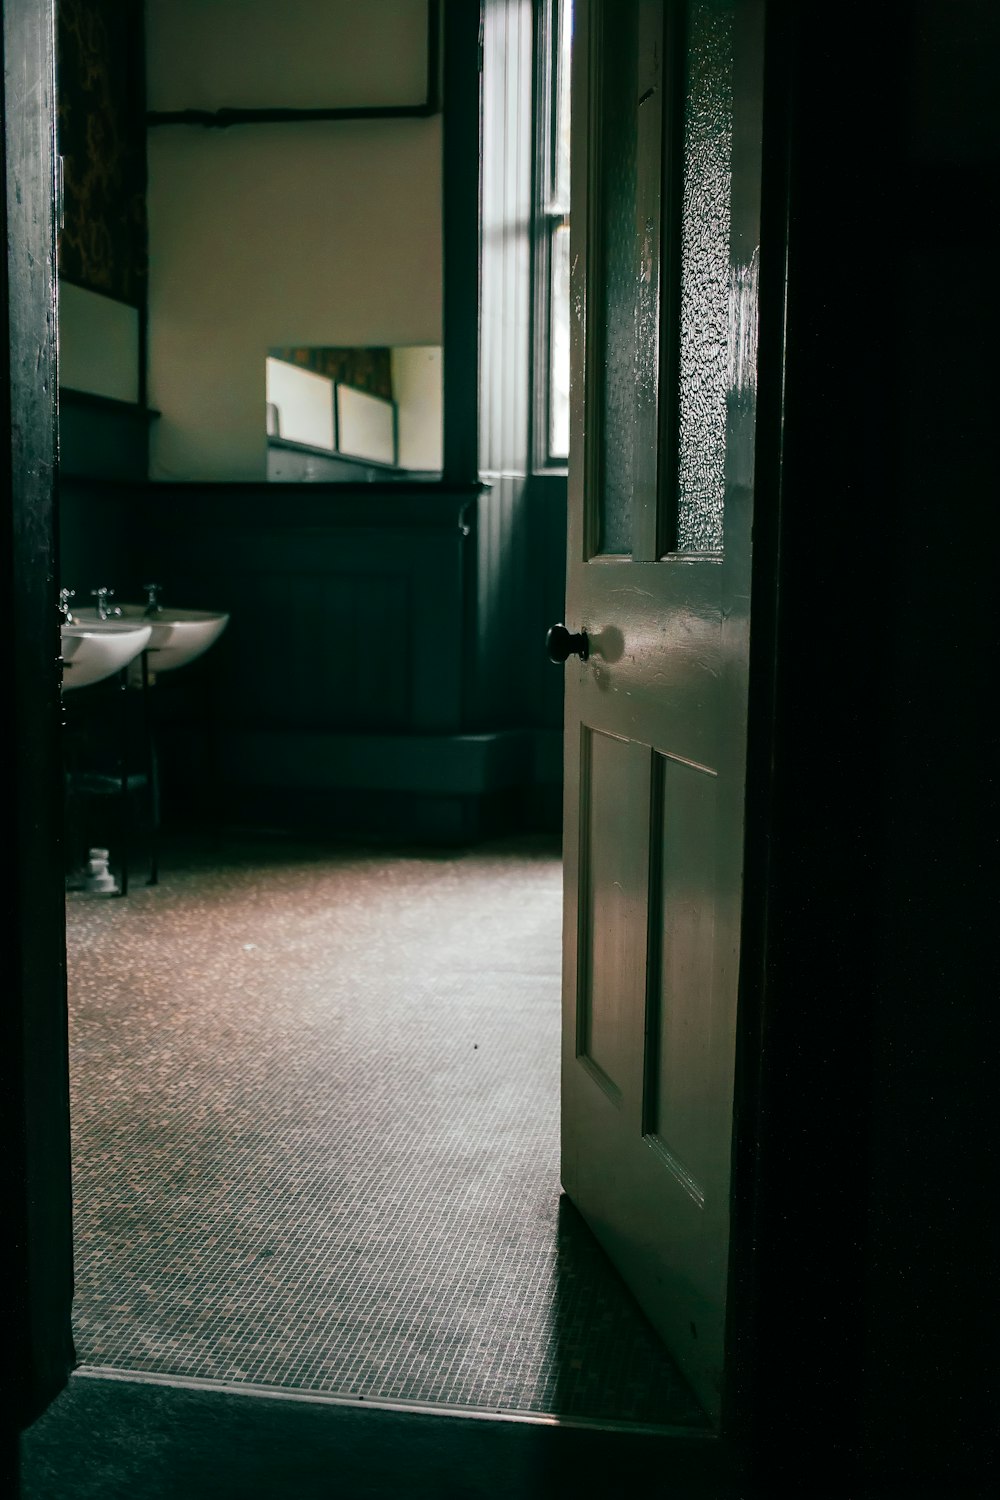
(552, 218)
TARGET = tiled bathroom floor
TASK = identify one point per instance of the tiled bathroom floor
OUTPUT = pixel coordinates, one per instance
(315, 1110)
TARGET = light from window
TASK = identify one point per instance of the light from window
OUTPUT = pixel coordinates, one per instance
(559, 343)
(563, 35)
(556, 214)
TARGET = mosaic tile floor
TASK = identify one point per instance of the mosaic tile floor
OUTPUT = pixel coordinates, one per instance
(315, 1101)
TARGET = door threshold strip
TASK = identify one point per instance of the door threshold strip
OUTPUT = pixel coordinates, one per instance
(426, 1408)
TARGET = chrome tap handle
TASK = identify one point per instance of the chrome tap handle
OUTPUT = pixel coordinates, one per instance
(65, 595)
(104, 610)
(152, 598)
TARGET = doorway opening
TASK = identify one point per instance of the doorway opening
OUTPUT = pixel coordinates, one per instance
(316, 1088)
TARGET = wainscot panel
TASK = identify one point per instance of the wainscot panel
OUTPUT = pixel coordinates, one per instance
(100, 438)
(337, 697)
(97, 519)
(439, 787)
(372, 674)
(345, 604)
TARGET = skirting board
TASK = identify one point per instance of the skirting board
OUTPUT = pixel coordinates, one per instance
(440, 765)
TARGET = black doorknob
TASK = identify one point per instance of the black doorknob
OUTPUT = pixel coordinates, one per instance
(561, 644)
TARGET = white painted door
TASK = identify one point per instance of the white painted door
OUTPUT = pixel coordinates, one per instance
(666, 125)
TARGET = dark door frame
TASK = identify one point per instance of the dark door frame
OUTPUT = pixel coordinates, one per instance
(34, 1088)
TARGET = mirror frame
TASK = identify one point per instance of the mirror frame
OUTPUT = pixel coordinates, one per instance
(221, 118)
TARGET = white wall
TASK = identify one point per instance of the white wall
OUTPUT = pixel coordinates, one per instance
(365, 425)
(98, 344)
(264, 236)
(304, 403)
(418, 389)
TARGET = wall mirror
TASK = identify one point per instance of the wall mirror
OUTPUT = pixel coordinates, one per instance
(354, 413)
(242, 175)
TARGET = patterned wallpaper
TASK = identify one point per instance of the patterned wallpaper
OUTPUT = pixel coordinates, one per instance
(102, 138)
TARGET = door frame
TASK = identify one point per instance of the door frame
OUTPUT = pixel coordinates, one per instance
(802, 1116)
(34, 1087)
(776, 1281)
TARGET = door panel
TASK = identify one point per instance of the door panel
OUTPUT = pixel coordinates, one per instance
(682, 916)
(612, 983)
(666, 117)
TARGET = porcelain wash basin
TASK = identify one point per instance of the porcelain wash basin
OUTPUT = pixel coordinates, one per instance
(95, 649)
(177, 636)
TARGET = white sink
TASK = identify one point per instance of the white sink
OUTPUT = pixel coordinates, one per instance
(177, 636)
(95, 649)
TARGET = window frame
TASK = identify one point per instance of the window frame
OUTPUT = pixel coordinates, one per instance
(549, 214)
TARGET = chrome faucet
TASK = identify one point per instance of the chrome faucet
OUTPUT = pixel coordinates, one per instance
(65, 595)
(153, 605)
(105, 611)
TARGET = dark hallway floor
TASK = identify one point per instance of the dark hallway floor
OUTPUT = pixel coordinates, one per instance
(315, 1107)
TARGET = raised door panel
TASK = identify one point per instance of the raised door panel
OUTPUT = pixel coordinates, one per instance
(611, 973)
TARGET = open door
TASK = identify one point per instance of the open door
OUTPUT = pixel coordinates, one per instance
(665, 216)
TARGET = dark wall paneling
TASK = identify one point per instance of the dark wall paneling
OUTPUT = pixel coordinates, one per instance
(344, 612)
(496, 683)
(337, 782)
(542, 604)
(102, 439)
(97, 536)
(340, 678)
(442, 764)
(327, 643)
(544, 594)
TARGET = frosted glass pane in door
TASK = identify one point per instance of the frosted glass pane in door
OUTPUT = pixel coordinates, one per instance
(704, 298)
(617, 256)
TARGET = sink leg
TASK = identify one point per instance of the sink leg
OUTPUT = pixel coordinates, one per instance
(152, 777)
(123, 802)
